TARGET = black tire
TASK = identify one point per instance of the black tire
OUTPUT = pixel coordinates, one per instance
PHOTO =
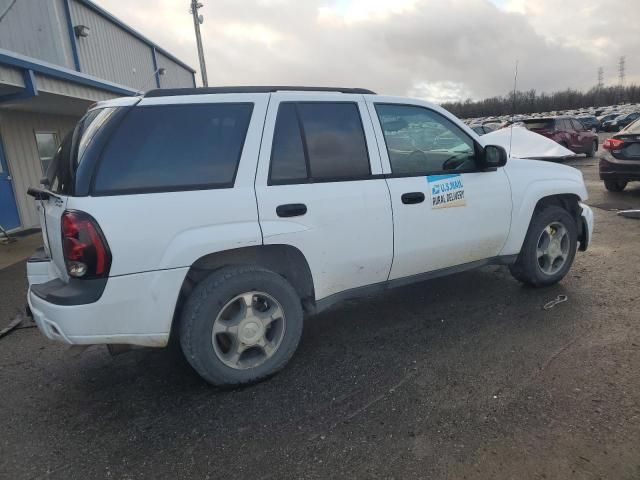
(207, 300)
(526, 268)
(594, 148)
(615, 185)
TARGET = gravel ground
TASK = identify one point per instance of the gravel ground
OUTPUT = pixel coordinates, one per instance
(461, 377)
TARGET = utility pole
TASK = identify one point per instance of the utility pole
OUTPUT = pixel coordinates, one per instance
(600, 78)
(197, 21)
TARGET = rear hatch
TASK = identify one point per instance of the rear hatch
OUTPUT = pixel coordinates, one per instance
(60, 183)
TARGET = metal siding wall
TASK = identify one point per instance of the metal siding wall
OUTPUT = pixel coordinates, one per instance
(17, 134)
(69, 89)
(112, 53)
(175, 75)
(11, 76)
(37, 28)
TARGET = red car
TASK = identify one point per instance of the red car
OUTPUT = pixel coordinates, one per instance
(567, 131)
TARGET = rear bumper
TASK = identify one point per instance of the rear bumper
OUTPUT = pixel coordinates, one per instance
(134, 309)
(611, 168)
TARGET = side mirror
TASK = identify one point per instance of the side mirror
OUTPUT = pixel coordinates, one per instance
(494, 156)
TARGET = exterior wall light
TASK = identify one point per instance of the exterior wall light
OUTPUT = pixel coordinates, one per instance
(81, 31)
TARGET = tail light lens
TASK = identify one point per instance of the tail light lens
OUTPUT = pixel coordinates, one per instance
(612, 144)
(86, 253)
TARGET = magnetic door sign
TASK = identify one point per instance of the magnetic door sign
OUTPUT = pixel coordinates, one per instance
(446, 191)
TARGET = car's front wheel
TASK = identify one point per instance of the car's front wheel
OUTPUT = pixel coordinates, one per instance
(548, 249)
(240, 325)
(592, 149)
(615, 185)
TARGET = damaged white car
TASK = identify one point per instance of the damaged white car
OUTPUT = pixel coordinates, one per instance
(223, 216)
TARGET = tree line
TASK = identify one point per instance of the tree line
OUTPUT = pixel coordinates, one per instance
(533, 102)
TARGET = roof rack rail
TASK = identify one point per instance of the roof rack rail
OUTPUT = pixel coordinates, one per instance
(172, 92)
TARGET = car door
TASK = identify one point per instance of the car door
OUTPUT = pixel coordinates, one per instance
(446, 212)
(319, 189)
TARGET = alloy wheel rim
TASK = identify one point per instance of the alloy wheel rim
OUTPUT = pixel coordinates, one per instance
(553, 248)
(248, 330)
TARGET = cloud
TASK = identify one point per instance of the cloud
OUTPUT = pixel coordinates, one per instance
(436, 49)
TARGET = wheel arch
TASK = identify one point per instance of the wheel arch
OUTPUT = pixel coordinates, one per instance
(286, 260)
(521, 219)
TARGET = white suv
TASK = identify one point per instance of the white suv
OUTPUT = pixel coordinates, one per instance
(224, 215)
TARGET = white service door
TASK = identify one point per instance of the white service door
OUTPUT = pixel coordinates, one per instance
(445, 213)
(319, 188)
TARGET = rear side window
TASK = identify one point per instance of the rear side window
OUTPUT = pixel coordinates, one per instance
(174, 147)
(321, 141)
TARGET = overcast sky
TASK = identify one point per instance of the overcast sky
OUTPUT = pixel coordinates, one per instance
(440, 50)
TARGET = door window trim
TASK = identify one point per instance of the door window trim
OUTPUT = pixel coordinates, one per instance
(309, 179)
(477, 148)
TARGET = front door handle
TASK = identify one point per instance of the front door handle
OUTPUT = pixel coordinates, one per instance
(291, 210)
(412, 197)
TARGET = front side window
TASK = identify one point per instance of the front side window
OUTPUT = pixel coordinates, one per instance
(318, 141)
(174, 147)
(47, 143)
(421, 141)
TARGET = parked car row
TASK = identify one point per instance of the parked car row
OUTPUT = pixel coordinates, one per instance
(618, 123)
(576, 130)
(609, 119)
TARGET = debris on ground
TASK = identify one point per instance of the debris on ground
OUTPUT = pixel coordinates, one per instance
(12, 325)
(630, 213)
(553, 303)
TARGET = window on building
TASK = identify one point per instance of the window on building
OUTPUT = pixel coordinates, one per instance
(319, 141)
(47, 143)
(174, 147)
(421, 141)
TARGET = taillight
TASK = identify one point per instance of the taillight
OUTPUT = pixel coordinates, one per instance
(612, 144)
(86, 253)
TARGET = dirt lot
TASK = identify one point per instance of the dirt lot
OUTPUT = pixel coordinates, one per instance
(462, 377)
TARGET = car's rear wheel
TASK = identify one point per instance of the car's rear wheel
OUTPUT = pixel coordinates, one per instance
(615, 185)
(548, 249)
(240, 325)
(593, 149)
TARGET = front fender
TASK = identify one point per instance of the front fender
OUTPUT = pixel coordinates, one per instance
(531, 181)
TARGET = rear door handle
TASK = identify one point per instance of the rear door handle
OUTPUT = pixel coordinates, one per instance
(412, 197)
(291, 210)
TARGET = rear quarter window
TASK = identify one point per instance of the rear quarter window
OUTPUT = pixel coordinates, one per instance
(174, 147)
